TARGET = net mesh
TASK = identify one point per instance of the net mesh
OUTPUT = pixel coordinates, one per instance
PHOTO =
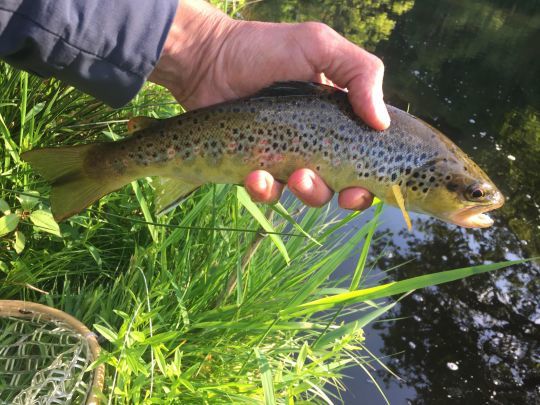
(42, 361)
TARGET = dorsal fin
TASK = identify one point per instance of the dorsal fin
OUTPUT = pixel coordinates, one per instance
(283, 89)
(137, 123)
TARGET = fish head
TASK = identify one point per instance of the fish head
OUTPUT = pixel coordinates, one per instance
(461, 193)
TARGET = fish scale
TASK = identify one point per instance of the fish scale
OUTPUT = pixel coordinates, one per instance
(281, 129)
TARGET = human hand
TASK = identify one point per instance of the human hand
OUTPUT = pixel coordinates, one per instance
(209, 58)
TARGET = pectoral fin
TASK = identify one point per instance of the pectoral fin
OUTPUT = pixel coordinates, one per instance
(170, 192)
(401, 204)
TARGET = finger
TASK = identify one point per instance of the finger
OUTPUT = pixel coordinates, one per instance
(355, 198)
(309, 188)
(262, 187)
(348, 66)
(366, 96)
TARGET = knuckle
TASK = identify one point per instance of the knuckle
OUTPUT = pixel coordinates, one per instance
(378, 64)
(317, 29)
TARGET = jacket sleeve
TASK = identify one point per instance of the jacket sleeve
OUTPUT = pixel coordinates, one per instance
(105, 48)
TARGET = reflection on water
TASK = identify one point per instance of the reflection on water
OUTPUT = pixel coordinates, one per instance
(472, 70)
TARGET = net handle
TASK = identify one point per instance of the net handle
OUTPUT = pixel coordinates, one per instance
(29, 310)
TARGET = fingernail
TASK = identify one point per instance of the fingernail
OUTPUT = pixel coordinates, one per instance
(305, 185)
(382, 113)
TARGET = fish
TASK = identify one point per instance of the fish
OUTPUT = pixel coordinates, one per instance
(284, 127)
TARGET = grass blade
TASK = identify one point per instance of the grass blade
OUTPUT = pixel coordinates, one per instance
(400, 287)
(266, 378)
(245, 200)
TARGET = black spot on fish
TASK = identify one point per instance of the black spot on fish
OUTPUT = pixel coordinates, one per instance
(414, 188)
(409, 183)
(251, 138)
(448, 177)
(452, 186)
(399, 158)
(431, 179)
(305, 145)
(425, 190)
(366, 174)
(394, 176)
(275, 145)
(408, 170)
(416, 175)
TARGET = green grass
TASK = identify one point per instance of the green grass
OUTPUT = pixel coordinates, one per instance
(220, 301)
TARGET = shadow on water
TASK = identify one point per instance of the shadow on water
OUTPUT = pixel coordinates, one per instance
(470, 69)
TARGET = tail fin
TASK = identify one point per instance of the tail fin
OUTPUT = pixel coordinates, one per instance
(73, 189)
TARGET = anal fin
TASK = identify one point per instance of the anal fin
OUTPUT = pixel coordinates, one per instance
(170, 192)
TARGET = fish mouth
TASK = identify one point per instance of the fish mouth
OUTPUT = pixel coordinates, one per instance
(476, 217)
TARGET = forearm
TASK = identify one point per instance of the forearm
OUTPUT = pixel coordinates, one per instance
(104, 48)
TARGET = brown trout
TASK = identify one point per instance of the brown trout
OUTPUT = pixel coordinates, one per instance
(280, 129)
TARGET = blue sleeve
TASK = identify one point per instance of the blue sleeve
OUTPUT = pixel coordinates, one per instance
(106, 48)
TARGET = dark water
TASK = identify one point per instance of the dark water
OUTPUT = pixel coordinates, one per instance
(471, 69)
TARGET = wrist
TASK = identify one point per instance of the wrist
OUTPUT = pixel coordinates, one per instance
(193, 43)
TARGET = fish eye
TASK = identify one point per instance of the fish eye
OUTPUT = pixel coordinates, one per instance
(475, 192)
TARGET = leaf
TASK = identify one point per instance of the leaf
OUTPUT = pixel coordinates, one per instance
(4, 207)
(95, 253)
(8, 223)
(266, 378)
(45, 222)
(245, 200)
(398, 287)
(138, 336)
(106, 333)
(28, 200)
(162, 337)
(281, 210)
(4, 267)
(20, 241)
(34, 111)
